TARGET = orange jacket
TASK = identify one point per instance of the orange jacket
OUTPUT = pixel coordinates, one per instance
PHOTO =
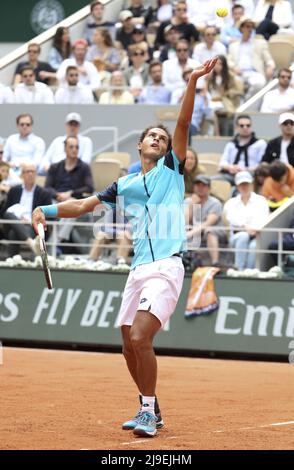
(273, 190)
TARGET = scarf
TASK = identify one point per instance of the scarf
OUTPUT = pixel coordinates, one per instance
(243, 148)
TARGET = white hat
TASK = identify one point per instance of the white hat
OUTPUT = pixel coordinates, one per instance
(73, 117)
(243, 177)
(286, 117)
(125, 14)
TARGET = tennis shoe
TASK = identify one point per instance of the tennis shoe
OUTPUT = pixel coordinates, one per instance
(146, 426)
(132, 423)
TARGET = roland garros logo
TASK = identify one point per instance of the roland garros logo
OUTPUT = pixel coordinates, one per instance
(46, 14)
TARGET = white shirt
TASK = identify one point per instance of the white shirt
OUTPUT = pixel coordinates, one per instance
(18, 150)
(6, 94)
(202, 53)
(278, 101)
(282, 13)
(56, 152)
(38, 93)
(245, 56)
(254, 214)
(91, 78)
(284, 155)
(79, 94)
(172, 74)
(255, 153)
(203, 12)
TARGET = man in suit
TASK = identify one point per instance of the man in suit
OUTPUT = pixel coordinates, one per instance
(282, 147)
(22, 199)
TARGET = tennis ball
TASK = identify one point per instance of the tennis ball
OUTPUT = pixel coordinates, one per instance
(222, 12)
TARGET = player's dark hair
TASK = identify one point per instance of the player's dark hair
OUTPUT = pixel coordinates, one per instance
(277, 170)
(157, 126)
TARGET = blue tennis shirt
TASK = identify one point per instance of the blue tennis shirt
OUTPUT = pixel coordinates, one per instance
(153, 203)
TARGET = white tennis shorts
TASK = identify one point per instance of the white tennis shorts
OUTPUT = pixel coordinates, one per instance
(154, 287)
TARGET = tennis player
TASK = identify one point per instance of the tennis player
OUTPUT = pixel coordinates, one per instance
(153, 199)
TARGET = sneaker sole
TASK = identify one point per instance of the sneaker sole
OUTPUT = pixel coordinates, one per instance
(142, 433)
(130, 428)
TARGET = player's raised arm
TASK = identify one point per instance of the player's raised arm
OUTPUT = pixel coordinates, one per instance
(180, 138)
(67, 209)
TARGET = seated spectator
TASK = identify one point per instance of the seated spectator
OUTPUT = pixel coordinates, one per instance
(96, 20)
(29, 91)
(202, 109)
(56, 150)
(191, 170)
(211, 212)
(103, 50)
(279, 185)
(155, 92)
(245, 151)
(163, 12)
(87, 71)
(43, 71)
(6, 94)
(172, 71)
(179, 19)
(271, 15)
(225, 92)
(282, 98)
(117, 95)
(260, 173)
(124, 34)
(250, 59)
(139, 36)
(248, 6)
(61, 47)
(202, 13)
(282, 147)
(142, 14)
(67, 179)
(136, 75)
(25, 146)
(21, 200)
(287, 244)
(7, 177)
(230, 32)
(172, 36)
(246, 213)
(210, 47)
(73, 92)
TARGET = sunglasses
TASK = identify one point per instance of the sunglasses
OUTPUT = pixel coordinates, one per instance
(73, 146)
(244, 125)
(288, 123)
(71, 75)
(33, 51)
(181, 9)
(136, 54)
(182, 50)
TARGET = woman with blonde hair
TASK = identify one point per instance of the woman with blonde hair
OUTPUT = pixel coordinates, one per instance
(272, 16)
(191, 169)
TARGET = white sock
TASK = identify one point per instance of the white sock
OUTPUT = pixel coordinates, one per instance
(148, 404)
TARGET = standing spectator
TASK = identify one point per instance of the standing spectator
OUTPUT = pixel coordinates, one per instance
(282, 98)
(73, 92)
(271, 15)
(155, 92)
(22, 199)
(88, 72)
(141, 14)
(124, 34)
(136, 75)
(61, 47)
(282, 147)
(29, 91)
(43, 71)
(172, 36)
(191, 170)
(231, 32)
(250, 59)
(96, 21)
(246, 214)
(210, 47)
(172, 72)
(245, 151)
(179, 19)
(279, 185)
(25, 146)
(56, 150)
(6, 94)
(211, 218)
(117, 95)
(202, 13)
(103, 50)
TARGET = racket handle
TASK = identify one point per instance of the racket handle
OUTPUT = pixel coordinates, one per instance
(41, 231)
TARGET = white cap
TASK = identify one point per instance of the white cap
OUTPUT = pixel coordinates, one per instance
(286, 117)
(125, 14)
(243, 177)
(73, 117)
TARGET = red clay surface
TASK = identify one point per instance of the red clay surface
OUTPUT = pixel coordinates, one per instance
(73, 400)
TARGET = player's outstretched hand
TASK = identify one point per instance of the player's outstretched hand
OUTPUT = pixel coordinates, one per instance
(38, 218)
(205, 68)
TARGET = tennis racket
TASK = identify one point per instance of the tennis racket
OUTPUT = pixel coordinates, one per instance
(44, 256)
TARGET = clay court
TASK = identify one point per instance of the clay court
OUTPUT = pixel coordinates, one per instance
(78, 400)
